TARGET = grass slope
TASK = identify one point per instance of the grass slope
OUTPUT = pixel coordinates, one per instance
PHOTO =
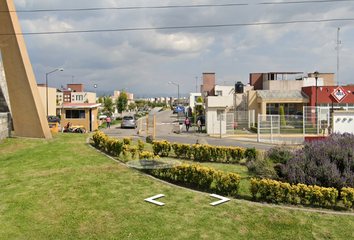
(63, 189)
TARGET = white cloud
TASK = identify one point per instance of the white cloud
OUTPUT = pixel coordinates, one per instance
(144, 61)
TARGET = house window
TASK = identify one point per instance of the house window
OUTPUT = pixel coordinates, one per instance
(218, 93)
(79, 98)
(75, 114)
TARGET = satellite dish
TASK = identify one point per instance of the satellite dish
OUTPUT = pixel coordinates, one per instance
(69, 89)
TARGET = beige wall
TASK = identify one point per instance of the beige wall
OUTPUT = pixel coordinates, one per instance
(328, 78)
(28, 114)
(52, 100)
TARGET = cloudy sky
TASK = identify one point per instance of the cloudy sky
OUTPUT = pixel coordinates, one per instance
(145, 60)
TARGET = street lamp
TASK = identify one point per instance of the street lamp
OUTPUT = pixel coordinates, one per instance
(46, 83)
(316, 77)
(178, 90)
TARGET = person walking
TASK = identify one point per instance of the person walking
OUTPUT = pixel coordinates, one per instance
(187, 122)
(108, 121)
(199, 124)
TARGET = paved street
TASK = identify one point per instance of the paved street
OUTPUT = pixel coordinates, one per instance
(164, 131)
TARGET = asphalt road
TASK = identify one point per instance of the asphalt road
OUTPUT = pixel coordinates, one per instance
(164, 131)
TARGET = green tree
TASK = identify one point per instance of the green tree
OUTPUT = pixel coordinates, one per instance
(140, 103)
(132, 106)
(199, 108)
(108, 105)
(122, 101)
(282, 116)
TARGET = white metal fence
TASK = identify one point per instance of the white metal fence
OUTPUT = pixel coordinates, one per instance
(245, 119)
(268, 128)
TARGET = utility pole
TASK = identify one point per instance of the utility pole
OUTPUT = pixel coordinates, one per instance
(196, 84)
(337, 48)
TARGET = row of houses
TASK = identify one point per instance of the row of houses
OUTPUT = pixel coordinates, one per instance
(266, 92)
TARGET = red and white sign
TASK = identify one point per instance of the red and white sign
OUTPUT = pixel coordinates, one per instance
(339, 94)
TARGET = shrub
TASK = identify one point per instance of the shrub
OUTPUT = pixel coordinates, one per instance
(250, 153)
(141, 145)
(147, 155)
(125, 151)
(182, 150)
(127, 140)
(326, 162)
(279, 154)
(347, 195)
(161, 147)
(228, 184)
(275, 191)
(133, 151)
(117, 147)
(254, 129)
(202, 177)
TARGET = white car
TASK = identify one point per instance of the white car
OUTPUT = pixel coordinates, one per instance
(102, 117)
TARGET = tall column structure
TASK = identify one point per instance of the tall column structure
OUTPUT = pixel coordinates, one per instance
(27, 110)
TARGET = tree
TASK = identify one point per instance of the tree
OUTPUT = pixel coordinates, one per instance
(199, 108)
(140, 103)
(108, 105)
(132, 106)
(282, 116)
(122, 101)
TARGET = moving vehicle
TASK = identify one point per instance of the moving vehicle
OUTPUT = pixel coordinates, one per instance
(128, 121)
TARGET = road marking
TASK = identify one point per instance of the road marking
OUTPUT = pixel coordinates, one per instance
(223, 199)
(151, 200)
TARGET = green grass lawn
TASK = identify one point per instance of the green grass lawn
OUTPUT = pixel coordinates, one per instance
(63, 189)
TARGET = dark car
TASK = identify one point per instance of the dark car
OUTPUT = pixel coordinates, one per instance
(202, 119)
(128, 121)
(297, 116)
(53, 119)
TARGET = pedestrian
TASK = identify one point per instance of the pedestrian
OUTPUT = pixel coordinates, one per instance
(188, 123)
(108, 121)
(199, 124)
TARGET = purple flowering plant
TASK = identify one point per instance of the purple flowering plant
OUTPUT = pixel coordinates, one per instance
(326, 162)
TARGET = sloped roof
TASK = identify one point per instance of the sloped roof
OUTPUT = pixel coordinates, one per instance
(79, 105)
(280, 94)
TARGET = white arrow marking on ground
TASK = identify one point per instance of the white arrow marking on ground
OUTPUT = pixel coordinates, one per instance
(223, 199)
(151, 199)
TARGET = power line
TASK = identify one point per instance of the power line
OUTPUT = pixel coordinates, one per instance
(185, 27)
(176, 6)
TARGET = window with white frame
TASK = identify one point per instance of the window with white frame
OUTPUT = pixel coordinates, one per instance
(79, 98)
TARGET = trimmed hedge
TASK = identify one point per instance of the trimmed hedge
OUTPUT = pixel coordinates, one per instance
(201, 177)
(275, 191)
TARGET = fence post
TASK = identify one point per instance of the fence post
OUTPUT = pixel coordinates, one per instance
(271, 128)
(147, 125)
(258, 129)
(220, 125)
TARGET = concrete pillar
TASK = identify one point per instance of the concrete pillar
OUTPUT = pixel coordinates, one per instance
(27, 110)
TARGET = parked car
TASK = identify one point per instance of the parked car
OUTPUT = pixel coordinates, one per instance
(174, 110)
(53, 119)
(297, 116)
(202, 119)
(128, 121)
(102, 117)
